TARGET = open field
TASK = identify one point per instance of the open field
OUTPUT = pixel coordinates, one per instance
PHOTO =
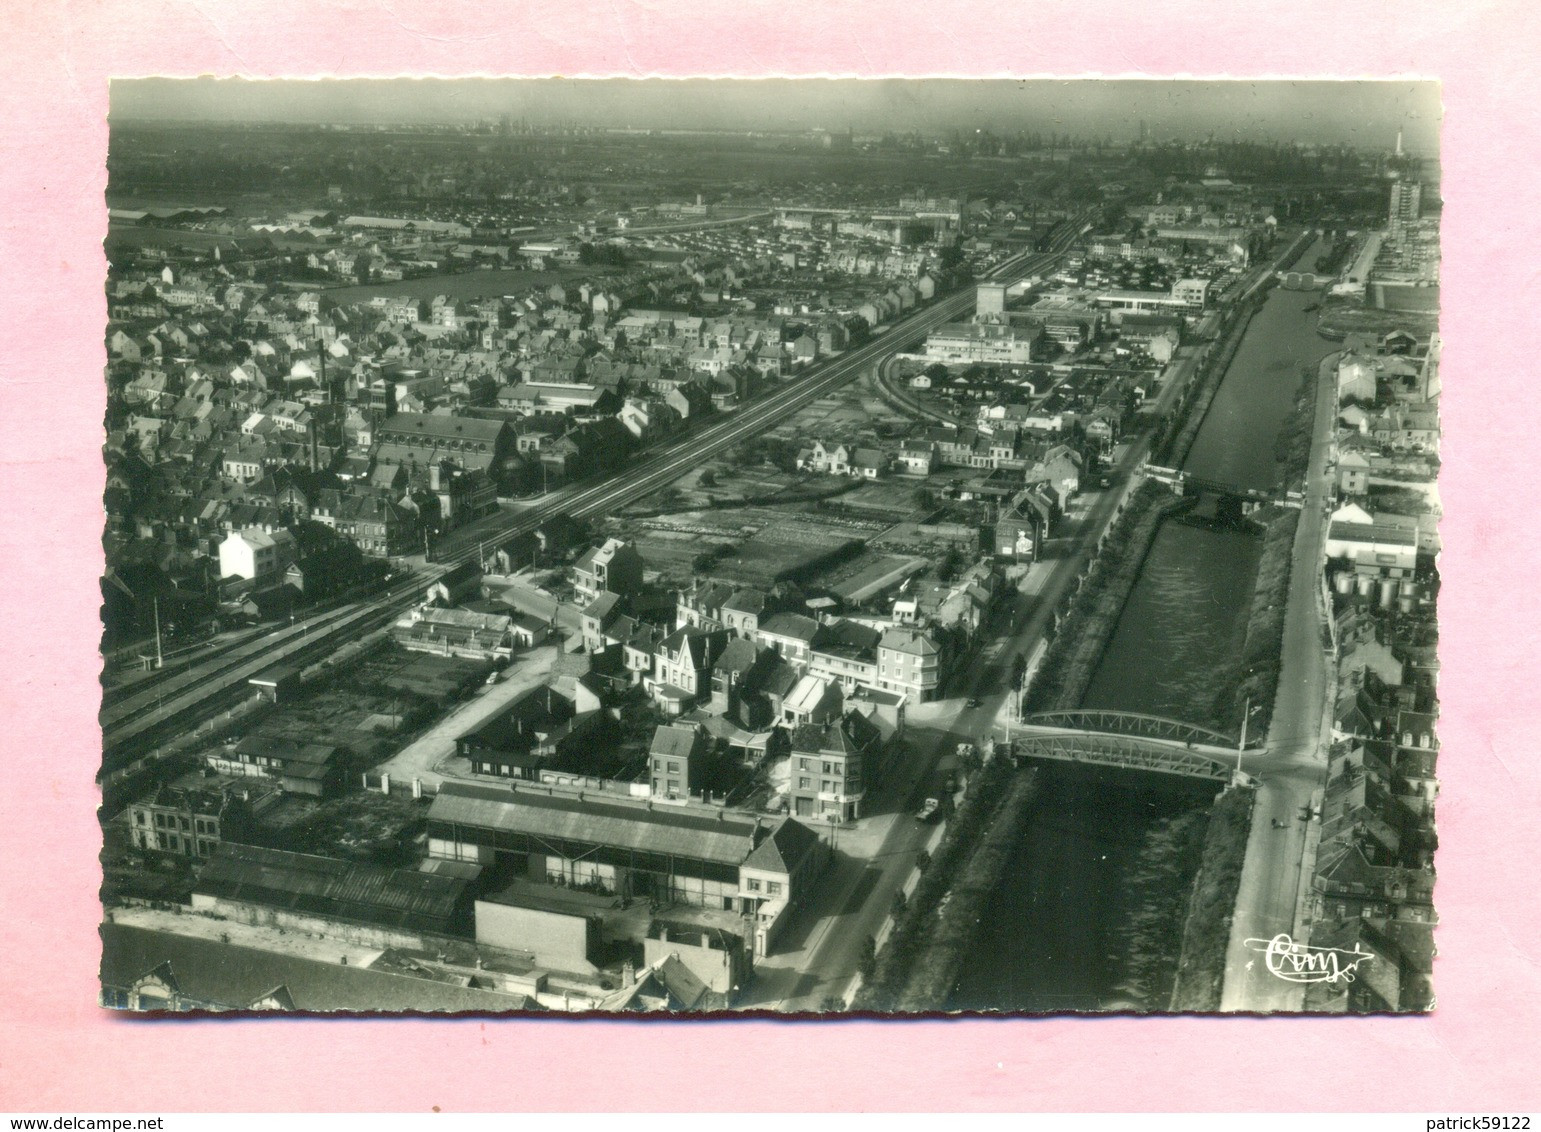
(370, 707)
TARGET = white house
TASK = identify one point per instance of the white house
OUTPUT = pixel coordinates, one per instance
(1376, 544)
(1356, 379)
(255, 554)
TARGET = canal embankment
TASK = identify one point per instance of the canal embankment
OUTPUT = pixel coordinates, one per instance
(1200, 974)
(1262, 655)
(1082, 632)
(918, 932)
(1188, 417)
(934, 971)
(1262, 649)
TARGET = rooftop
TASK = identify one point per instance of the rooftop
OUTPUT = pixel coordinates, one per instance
(228, 975)
(302, 882)
(700, 833)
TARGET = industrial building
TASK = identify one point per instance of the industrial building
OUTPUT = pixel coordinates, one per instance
(668, 853)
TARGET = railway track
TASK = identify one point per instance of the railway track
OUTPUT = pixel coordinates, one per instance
(132, 720)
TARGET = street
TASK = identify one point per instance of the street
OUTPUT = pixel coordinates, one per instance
(1295, 765)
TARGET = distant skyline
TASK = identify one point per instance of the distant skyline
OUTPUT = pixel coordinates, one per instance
(1359, 113)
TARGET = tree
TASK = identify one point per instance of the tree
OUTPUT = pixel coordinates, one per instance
(950, 565)
(869, 958)
(607, 255)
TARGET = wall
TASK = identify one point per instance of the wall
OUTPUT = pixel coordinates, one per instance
(365, 935)
(556, 939)
(460, 851)
(719, 970)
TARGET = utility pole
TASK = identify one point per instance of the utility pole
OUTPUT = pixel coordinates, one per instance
(1241, 745)
(159, 657)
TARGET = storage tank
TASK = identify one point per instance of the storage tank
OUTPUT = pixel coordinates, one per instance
(1365, 583)
(1343, 582)
(1388, 590)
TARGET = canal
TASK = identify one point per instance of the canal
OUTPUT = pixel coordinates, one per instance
(1056, 935)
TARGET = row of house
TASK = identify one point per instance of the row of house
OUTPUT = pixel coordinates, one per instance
(1372, 886)
(995, 444)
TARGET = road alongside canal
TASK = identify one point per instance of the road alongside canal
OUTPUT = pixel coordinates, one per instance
(1049, 934)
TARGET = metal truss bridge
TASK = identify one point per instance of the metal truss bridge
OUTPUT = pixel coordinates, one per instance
(1127, 741)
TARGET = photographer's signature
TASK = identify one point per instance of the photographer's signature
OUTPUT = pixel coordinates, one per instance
(1301, 963)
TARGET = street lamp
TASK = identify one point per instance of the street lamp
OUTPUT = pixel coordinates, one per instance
(1241, 744)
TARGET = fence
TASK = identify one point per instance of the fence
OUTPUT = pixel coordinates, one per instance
(407, 787)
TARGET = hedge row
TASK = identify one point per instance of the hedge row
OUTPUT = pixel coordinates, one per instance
(787, 495)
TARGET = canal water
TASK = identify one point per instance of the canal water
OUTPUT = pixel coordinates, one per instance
(1051, 940)
(1173, 653)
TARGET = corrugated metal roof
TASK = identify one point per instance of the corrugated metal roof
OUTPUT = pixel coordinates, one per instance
(230, 975)
(663, 829)
(302, 882)
(1372, 533)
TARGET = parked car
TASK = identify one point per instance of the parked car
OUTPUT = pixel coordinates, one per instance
(928, 810)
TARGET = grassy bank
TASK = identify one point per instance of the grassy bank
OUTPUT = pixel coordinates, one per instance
(1157, 886)
(1292, 448)
(934, 972)
(1207, 928)
(886, 988)
(1262, 652)
(1083, 633)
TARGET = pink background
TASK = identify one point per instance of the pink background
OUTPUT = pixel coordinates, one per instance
(59, 1052)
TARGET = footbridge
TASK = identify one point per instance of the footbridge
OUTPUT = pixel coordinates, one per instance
(1185, 483)
(1127, 741)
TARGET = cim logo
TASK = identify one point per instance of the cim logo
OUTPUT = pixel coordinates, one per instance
(1300, 963)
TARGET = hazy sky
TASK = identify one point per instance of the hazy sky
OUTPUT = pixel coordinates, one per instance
(1358, 113)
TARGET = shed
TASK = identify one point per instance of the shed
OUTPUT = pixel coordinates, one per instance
(277, 684)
